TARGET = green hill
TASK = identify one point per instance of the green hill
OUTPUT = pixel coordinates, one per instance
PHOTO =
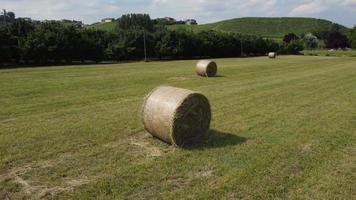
(266, 27)
(261, 26)
(109, 26)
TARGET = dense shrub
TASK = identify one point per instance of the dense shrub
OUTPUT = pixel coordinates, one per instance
(136, 21)
(353, 38)
(290, 37)
(310, 41)
(294, 47)
(57, 42)
(336, 40)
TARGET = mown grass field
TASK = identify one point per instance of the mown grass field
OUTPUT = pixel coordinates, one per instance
(281, 128)
(338, 53)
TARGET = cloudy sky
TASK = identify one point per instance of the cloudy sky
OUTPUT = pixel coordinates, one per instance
(205, 11)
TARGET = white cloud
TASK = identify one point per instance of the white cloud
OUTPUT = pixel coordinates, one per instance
(65, 9)
(349, 3)
(211, 10)
(308, 8)
(314, 7)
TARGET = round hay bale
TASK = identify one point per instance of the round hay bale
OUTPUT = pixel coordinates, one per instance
(206, 68)
(272, 55)
(176, 116)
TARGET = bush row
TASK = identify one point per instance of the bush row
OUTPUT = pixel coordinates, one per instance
(54, 42)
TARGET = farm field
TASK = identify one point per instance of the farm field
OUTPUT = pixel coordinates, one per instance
(339, 53)
(281, 128)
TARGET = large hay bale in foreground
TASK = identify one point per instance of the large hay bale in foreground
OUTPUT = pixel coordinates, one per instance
(176, 116)
(206, 68)
(272, 54)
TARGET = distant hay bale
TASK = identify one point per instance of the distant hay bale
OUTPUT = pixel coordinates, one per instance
(206, 68)
(272, 54)
(176, 116)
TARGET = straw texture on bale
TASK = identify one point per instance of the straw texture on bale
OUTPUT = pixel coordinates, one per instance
(176, 116)
(206, 68)
(272, 55)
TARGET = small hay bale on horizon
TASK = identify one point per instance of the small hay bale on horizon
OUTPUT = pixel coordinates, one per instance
(177, 116)
(206, 68)
(272, 54)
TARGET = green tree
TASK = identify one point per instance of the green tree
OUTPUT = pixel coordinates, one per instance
(11, 16)
(21, 28)
(290, 37)
(93, 45)
(6, 44)
(353, 38)
(310, 41)
(136, 21)
(294, 47)
(336, 40)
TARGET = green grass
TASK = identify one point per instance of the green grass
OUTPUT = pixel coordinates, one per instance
(264, 26)
(338, 53)
(274, 28)
(281, 128)
(109, 26)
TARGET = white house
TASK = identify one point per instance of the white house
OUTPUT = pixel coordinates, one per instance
(106, 20)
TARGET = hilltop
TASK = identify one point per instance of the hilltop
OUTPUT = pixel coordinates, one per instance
(261, 26)
(266, 27)
(109, 26)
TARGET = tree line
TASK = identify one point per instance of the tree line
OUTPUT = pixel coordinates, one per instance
(332, 38)
(27, 42)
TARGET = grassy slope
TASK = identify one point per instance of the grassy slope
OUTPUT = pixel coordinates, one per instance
(109, 26)
(282, 128)
(266, 27)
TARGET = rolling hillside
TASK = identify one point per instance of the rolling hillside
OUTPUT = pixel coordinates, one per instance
(262, 26)
(109, 26)
(266, 27)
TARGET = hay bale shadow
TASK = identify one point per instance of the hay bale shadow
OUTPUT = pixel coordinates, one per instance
(217, 139)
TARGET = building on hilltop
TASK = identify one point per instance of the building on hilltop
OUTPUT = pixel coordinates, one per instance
(165, 20)
(107, 20)
(170, 20)
(27, 19)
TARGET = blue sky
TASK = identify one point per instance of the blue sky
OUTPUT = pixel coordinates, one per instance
(205, 11)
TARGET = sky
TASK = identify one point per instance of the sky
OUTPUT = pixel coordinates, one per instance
(204, 11)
